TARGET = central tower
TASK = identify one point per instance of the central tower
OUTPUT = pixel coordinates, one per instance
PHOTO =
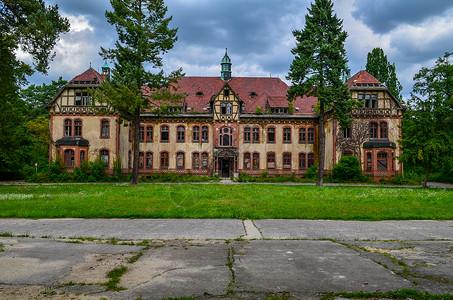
(226, 67)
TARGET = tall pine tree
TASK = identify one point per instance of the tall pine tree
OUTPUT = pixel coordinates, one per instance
(378, 65)
(143, 37)
(320, 58)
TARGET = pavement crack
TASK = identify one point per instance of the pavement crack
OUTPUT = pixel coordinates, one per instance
(230, 264)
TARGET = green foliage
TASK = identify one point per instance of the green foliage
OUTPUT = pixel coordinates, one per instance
(36, 97)
(320, 58)
(399, 294)
(115, 277)
(277, 178)
(175, 177)
(258, 110)
(427, 126)
(291, 107)
(34, 28)
(378, 65)
(312, 172)
(143, 37)
(348, 169)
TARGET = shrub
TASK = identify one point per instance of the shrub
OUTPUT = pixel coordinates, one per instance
(312, 172)
(348, 169)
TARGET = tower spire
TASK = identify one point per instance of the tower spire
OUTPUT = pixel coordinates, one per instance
(226, 67)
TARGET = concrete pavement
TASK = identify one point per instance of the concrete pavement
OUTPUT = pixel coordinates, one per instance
(222, 259)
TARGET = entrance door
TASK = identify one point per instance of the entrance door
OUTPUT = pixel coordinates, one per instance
(225, 167)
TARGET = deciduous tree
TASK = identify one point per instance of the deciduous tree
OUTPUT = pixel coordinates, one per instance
(427, 129)
(143, 37)
(320, 58)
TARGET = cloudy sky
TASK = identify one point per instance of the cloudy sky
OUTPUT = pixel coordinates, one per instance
(258, 35)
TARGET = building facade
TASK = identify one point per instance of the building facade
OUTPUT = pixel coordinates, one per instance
(227, 125)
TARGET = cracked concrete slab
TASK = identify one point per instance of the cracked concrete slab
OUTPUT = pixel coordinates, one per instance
(126, 228)
(355, 230)
(44, 261)
(178, 271)
(309, 266)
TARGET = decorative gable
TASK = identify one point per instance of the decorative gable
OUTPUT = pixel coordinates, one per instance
(226, 105)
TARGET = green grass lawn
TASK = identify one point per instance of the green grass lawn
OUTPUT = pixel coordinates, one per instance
(245, 201)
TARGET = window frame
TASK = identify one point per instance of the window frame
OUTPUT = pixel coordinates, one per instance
(105, 129)
(247, 134)
(269, 134)
(247, 161)
(286, 135)
(69, 158)
(374, 130)
(149, 134)
(67, 126)
(149, 160)
(102, 157)
(311, 135)
(195, 158)
(164, 160)
(302, 135)
(196, 134)
(302, 161)
(311, 160)
(78, 127)
(178, 155)
(204, 134)
(165, 129)
(181, 134)
(287, 157)
(255, 161)
(255, 135)
(271, 158)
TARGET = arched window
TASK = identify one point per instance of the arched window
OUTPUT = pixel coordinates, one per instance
(302, 131)
(226, 137)
(204, 134)
(181, 134)
(271, 135)
(256, 135)
(256, 161)
(164, 160)
(384, 131)
(141, 160)
(142, 134)
(149, 160)
(302, 161)
(196, 134)
(129, 159)
(195, 160)
(270, 161)
(287, 135)
(247, 131)
(149, 134)
(69, 158)
(373, 130)
(164, 134)
(347, 133)
(369, 161)
(287, 160)
(105, 129)
(204, 160)
(180, 161)
(311, 135)
(310, 160)
(82, 156)
(67, 127)
(105, 157)
(77, 127)
(247, 162)
(382, 161)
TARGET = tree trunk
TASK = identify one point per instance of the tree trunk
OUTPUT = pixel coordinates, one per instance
(322, 145)
(425, 181)
(136, 147)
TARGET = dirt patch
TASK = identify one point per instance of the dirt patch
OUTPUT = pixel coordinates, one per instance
(409, 253)
(20, 292)
(95, 268)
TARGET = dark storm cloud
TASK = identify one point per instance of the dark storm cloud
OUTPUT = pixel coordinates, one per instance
(382, 16)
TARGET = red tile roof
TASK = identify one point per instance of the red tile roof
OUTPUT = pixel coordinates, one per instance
(253, 91)
(90, 76)
(362, 77)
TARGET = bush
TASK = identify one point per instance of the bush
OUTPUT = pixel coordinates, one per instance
(348, 169)
(312, 172)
